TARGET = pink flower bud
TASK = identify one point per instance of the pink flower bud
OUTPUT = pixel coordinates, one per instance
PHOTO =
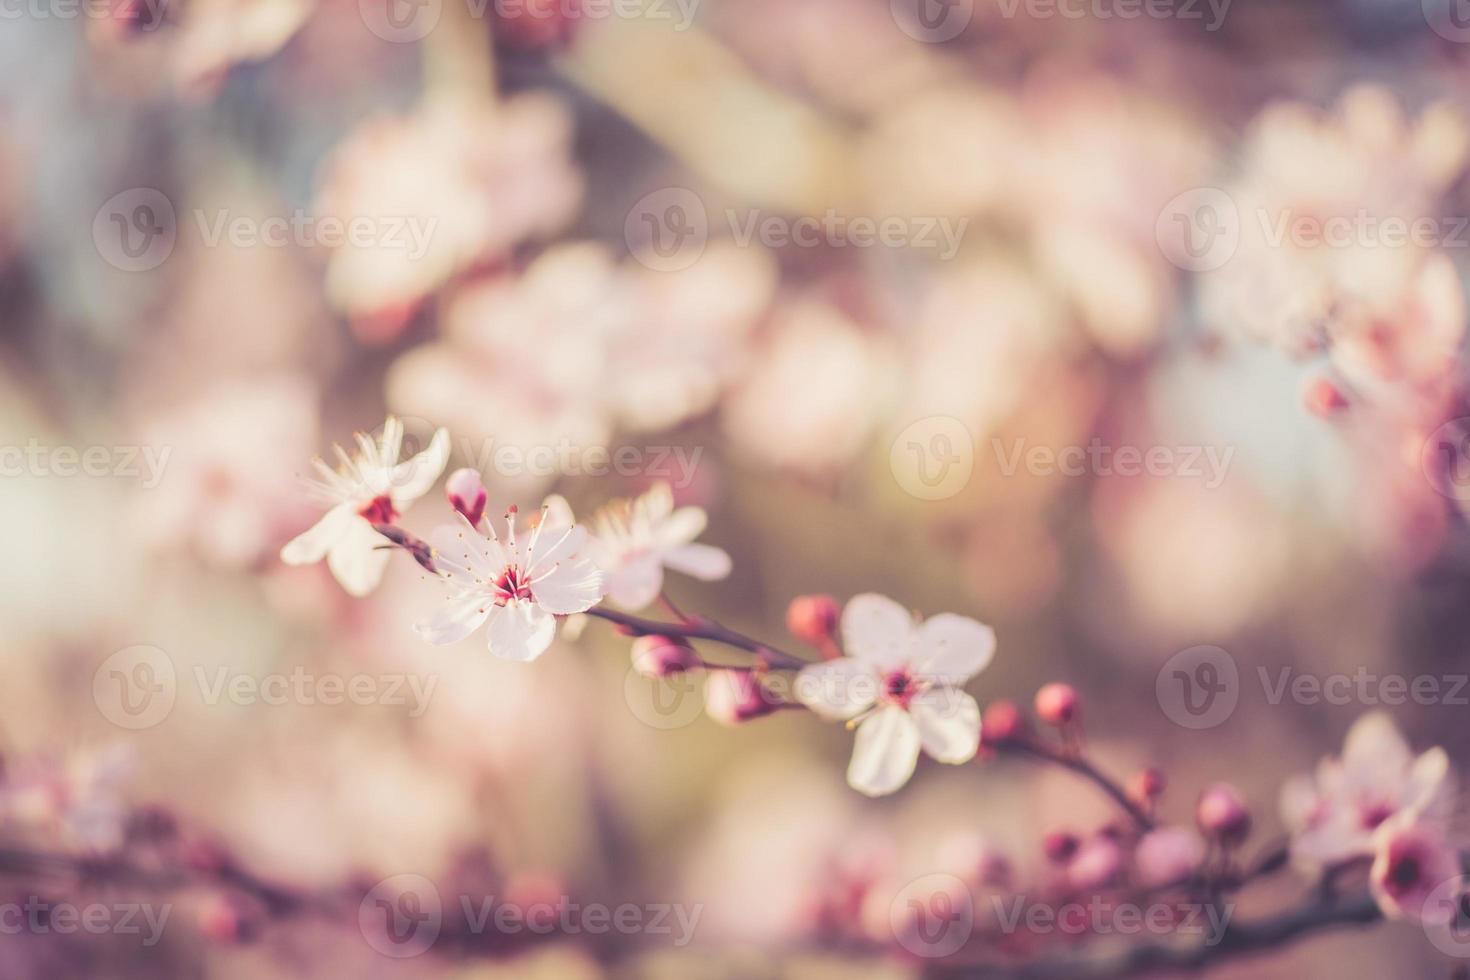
(813, 619)
(1001, 723)
(1059, 845)
(1096, 863)
(1222, 814)
(1324, 398)
(229, 917)
(467, 494)
(1057, 704)
(661, 656)
(1168, 856)
(1146, 786)
(735, 696)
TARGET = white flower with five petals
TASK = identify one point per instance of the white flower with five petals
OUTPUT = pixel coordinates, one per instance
(517, 586)
(900, 685)
(633, 541)
(372, 487)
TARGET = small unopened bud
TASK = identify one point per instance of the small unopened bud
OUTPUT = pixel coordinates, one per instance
(1168, 856)
(1222, 814)
(417, 547)
(1059, 846)
(229, 917)
(1146, 786)
(1057, 704)
(661, 656)
(735, 696)
(1096, 863)
(813, 619)
(466, 492)
(1324, 398)
(1001, 723)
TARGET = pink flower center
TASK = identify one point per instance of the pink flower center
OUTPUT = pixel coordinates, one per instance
(1404, 874)
(512, 585)
(1373, 815)
(899, 687)
(379, 511)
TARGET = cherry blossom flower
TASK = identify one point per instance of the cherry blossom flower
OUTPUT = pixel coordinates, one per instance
(1333, 815)
(1411, 862)
(370, 488)
(633, 541)
(900, 686)
(518, 586)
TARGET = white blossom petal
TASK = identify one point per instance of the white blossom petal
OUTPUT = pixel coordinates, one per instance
(702, 561)
(954, 648)
(878, 630)
(884, 753)
(458, 618)
(948, 720)
(681, 527)
(358, 557)
(635, 584)
(312, 545)
(554, 545)
(838, 689)
(575, 586)
(520, 631)
(415, 477)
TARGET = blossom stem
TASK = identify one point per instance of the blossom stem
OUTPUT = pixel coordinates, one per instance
(699, 628)
(1085, 769)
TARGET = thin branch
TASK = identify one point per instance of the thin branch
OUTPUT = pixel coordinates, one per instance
(699, 628)
(1085, 769)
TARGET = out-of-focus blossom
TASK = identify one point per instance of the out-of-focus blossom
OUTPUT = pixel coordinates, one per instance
(733, 697)
(900, 685)
(76, 798)
(633, 541)
(1222, 814)
(472, 181)
(227, 489)
(1333, 814)
(215, 35)
(814, 394)
(1411, 863)
(1096, 863)
(518, 587)
(370, 488)
(1167, 856)
(537, 370)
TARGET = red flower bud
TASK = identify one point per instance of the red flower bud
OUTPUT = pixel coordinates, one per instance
(1146, 786)
(1059, 845)
(1057, 704)
(1001, 723)
(735, 696)
(660, 656)
(1222, 814)
(1324, 398)
(813, 619)
(466, 492)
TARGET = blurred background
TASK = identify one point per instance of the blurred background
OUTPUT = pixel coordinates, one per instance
(1127, 328)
